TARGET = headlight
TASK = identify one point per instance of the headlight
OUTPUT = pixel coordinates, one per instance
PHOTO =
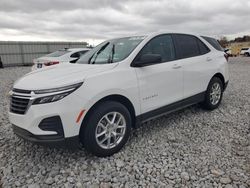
(55, 94)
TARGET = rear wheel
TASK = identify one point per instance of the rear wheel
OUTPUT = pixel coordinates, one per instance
(213, 94)
(107, 129)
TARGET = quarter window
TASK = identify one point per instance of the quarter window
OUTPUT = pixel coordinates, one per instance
(202, 47)
(214, 43)
(161, 45)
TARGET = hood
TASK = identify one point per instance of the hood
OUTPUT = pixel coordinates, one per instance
(59, 76)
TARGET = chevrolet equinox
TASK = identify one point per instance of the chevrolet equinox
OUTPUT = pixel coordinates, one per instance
(116, 86)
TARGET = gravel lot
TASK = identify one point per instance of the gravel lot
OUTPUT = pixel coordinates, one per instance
(189, 148)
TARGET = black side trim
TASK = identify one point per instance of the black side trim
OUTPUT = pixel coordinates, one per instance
(48, 140)
(170, 108)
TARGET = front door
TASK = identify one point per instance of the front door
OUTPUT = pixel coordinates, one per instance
(162, 83)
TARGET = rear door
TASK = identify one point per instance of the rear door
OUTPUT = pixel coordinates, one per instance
(160, 84)
(196, 61)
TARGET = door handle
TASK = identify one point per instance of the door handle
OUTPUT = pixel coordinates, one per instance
(209, 59)
(175, 66)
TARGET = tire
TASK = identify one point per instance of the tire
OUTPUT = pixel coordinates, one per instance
(211, 103)
(97, 124)
(247, 54)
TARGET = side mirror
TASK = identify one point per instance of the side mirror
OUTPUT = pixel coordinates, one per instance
(148, 59)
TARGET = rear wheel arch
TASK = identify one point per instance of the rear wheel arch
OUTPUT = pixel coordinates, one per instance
(117, 98)
(221, 77)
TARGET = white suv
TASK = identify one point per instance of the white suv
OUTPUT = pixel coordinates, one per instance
(116, 86)
(245, 51)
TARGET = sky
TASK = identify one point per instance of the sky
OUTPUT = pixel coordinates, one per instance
(96, 20)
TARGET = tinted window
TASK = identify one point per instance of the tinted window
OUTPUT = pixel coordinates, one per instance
(214, 43)
(58, 53)
(162, 45)
(187, 46)
(202, 47)
(244, 48)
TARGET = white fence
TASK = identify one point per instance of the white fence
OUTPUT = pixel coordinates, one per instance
(22, 53)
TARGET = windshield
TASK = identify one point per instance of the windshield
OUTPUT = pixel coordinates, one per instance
(111, 51)
(58, 53)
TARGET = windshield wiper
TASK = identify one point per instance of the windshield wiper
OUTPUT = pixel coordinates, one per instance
(97, 53)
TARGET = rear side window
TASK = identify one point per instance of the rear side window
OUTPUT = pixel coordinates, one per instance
(214, 43)
(58, 53)
(162, 45)
(202, 47)
(244, 48)
(186, 46)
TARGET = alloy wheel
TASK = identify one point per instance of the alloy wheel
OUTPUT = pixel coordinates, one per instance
(110, 130)
(215, 93)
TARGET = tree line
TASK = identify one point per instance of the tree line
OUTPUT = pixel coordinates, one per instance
(224, 41)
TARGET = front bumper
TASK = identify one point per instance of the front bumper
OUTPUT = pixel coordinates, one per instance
(48, 140)
(67, 109)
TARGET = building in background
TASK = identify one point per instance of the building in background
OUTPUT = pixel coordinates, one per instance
(22, 53)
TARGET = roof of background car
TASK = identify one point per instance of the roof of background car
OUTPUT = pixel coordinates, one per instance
(77, 49)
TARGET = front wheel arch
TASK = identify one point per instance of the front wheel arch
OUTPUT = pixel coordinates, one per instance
(117, 98)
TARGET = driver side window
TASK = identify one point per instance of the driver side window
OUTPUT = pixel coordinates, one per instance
(161, 45)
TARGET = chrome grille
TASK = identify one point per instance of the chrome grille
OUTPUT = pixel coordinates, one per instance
(19, 102)
(21, 91)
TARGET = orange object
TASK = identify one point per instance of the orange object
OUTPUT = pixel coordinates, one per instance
(80, 116)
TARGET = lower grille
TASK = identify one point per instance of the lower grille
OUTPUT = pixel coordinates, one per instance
(52, 124)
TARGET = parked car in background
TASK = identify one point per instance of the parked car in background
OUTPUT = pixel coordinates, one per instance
(66, 55)
(245, 51)
(116, 86)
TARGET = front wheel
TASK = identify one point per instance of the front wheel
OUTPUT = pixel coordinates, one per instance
(213, 94)
(107, 130)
